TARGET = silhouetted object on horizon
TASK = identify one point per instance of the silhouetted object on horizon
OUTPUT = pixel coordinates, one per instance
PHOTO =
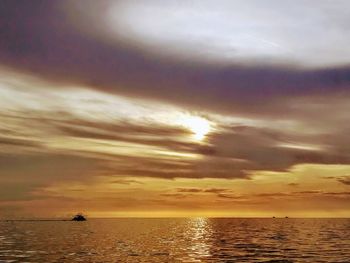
(79, 217)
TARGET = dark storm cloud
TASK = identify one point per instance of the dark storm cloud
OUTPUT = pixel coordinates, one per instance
(38, 37)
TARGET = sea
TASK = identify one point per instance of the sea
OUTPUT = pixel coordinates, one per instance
(270, 240)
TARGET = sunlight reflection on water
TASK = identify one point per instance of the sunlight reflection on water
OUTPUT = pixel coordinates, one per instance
(199, 231)
(177, 240)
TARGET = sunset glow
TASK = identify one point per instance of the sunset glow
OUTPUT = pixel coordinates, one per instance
(175, 109)
(197, 125)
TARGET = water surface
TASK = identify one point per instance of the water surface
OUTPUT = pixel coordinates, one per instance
(177, 240)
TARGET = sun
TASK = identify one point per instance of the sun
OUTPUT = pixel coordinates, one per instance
(199, 126)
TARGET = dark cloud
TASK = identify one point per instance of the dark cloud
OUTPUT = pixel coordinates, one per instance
(47, 166)
(176, 195)
(202, 190)
(302, 194)
(125, 181)
(132, 133)
(262, 149)
(230, 153)
(273, 195)
(303, 114)
(337, 193)
(232, 197)
(224, 193)
(16, 191)
(8, 141)
(41, 38)
(308, 192)
(22, 175)
(344, 180)
(190, 190)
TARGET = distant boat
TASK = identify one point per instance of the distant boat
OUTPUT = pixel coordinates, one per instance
(79, 217)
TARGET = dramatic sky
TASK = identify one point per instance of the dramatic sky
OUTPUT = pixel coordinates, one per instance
(175, 108)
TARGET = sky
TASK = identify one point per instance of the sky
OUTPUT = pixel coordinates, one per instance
(174, 108)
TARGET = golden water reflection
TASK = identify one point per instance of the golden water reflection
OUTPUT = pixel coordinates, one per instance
(199, 233)
(176, 240)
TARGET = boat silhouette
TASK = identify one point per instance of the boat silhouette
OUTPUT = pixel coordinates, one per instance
(79, 217)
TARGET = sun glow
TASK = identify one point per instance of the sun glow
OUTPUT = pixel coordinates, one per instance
(199, 126)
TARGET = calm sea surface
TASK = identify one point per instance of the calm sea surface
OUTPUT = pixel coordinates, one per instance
(177, 240)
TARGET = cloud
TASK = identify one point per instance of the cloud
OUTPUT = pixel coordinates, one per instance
(40, 40)
(78, 105)
(225, 31)
(22, 175)
(266, 149)
(15, 191)
(203, 190)
(18, 142)
(232, 152)
(190, 190)
(225, 193)
(125, 181)
(125, 148)
(176, 195)
(344, 180)
(341, 179)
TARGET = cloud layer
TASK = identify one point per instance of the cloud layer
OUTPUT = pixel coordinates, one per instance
(81, 104)
(39, 38)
